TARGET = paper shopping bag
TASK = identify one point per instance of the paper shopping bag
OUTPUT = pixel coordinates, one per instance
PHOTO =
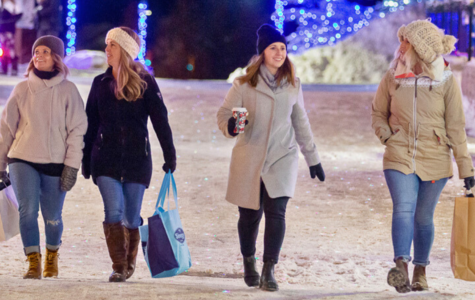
(9, 216)
(462, 249)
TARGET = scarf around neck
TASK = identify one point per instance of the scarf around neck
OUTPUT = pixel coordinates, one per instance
(270, 79)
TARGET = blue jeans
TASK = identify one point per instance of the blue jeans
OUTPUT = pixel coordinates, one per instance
(33, 190)
(414, 204)
(122, 201)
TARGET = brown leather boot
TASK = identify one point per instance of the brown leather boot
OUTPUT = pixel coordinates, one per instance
(51, 264)
(398, 277)
(419, 280)
(117, 240)
(134, 241)
(34, 269)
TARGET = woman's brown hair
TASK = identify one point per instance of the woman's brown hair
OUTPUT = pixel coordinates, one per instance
(58, 65)
(129, 85)
(286, 71)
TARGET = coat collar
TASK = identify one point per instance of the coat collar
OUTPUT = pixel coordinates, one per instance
(438, 67)
(108, 75)
(37, 84)
(263, 87)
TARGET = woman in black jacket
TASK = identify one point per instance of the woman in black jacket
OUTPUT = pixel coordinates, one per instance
(117, 148)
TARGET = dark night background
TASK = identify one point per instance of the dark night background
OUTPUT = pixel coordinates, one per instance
(216, 36)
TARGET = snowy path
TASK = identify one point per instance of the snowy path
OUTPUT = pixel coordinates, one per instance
(337, 244)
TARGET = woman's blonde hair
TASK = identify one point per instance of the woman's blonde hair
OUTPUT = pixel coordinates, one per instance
(129, 85)
(285, 72)
(411, 59)
(58, 65)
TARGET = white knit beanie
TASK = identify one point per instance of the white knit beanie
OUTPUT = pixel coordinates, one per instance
(427, 39)
(127, 42)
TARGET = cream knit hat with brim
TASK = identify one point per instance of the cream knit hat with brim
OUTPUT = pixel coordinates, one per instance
(127, 42)
(427, 39)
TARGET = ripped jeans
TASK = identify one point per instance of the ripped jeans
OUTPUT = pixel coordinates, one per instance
(34, 190)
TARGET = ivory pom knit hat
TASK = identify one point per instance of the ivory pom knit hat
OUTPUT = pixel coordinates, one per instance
(427, 39)
(127, 42)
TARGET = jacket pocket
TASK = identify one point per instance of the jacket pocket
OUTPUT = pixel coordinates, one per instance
(63, 138)
(442, 139)
(20, 137)
(146, 146)
(397, 145)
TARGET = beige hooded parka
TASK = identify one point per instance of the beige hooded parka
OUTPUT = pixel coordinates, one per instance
(420, 119)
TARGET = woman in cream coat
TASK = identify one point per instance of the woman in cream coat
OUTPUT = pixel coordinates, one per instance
(42, 129)
(264, 162)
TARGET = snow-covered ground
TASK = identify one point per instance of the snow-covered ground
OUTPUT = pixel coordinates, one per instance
(337, 245)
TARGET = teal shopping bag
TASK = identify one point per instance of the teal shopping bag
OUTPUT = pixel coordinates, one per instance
(163, 239)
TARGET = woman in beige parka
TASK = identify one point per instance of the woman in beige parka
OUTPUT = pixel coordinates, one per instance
(418, 115)
(264, 162)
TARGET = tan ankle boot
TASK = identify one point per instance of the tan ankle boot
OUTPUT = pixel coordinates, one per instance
(419, 280)
(34, 269)
(398, 277)
(51, 264)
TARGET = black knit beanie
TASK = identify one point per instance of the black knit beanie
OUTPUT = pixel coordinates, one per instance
(266, 35)
(55, 44)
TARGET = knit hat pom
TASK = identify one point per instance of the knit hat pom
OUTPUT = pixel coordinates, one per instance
(448, 41)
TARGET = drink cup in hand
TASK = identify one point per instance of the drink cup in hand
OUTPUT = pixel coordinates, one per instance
(240, 114)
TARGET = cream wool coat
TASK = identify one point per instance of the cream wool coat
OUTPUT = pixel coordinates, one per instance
(268, 147)
(420, 124)
(43, 122)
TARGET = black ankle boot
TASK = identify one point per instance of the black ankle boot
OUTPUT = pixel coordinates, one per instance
(251, 276)
(268, 282)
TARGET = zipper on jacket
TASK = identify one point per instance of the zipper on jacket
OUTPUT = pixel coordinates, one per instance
(414, 113)
(146, 143)
(102, 142)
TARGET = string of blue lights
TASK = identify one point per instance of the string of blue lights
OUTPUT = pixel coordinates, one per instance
(142, 26)
(325, 22)
(71, 23)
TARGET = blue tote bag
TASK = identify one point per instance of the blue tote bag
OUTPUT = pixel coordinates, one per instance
(163, 239)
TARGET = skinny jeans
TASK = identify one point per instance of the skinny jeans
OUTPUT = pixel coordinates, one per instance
(414, 203)
(34, 190)
(122, 201)
(248, 226)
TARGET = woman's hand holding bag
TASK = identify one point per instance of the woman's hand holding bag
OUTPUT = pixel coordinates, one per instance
(317, 171)
(469, 182)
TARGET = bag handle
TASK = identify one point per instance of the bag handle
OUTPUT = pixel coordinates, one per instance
(165, 191)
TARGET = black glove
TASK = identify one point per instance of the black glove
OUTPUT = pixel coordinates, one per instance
(4, 180)
(232, 124)
(469, 182)
(170, 165)
(317, 170)
(68, 178)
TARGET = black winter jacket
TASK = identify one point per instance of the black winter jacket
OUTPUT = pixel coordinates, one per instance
(117, 143)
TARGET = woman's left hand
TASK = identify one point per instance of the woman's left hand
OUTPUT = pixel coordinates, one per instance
(68, 178)
(317, 171)
(169, 166)
(469, 182)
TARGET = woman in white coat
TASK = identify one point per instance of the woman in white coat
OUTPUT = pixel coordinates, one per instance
(264, 162)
